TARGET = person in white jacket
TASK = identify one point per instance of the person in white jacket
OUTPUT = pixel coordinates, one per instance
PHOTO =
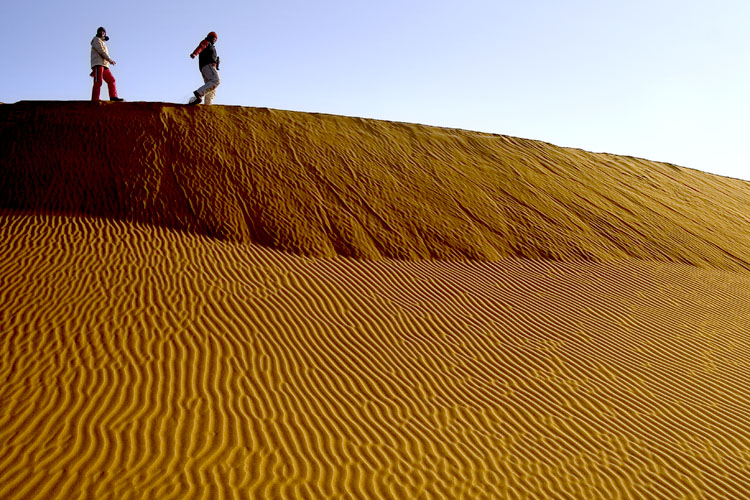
(100, 62)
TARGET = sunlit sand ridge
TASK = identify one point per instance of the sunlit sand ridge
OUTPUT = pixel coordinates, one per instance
(326, 185)
(170, 327)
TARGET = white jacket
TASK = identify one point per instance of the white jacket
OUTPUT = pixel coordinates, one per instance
(99, 53)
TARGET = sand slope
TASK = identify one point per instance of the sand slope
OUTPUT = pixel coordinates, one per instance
(142, 363)
(171, 328)
(326, 185)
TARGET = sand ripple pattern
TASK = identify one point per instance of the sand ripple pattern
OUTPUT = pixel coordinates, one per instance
(138, 362)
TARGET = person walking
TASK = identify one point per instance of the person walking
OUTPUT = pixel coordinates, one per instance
(208, 63)
(100, 62)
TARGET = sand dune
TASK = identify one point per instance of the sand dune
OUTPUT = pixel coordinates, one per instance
(324, 185)
(178, 320)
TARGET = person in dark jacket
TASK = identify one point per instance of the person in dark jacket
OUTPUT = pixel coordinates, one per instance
(208, 62)
(100, 62)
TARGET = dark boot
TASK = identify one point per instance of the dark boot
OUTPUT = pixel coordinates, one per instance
(197, 99)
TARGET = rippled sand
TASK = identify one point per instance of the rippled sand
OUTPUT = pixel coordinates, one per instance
(536, 324)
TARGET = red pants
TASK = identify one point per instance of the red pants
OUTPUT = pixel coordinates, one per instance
(101, 73)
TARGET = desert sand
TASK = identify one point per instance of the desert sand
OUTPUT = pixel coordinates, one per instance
(226, 302)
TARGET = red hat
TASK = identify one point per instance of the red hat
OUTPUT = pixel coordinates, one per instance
(212, 35)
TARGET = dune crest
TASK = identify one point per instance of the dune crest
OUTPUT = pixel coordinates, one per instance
(322, 185)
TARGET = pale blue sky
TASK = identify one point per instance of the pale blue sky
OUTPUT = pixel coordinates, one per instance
(665, 80)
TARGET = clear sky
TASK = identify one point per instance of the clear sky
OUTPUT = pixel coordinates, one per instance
(666, 80)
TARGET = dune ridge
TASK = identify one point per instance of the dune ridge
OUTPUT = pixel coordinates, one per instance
(323, 185)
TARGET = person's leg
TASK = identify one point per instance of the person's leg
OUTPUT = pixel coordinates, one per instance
(201, 90)
(214, 81)
(209, 97)
(97, 83)
(110, 79)
(197, 93)
(211, 81)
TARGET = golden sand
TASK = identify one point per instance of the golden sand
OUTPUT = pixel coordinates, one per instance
(221, 302)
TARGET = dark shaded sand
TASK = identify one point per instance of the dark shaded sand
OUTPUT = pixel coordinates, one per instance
(223, 302)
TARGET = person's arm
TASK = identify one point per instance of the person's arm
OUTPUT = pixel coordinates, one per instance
(199, 49)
